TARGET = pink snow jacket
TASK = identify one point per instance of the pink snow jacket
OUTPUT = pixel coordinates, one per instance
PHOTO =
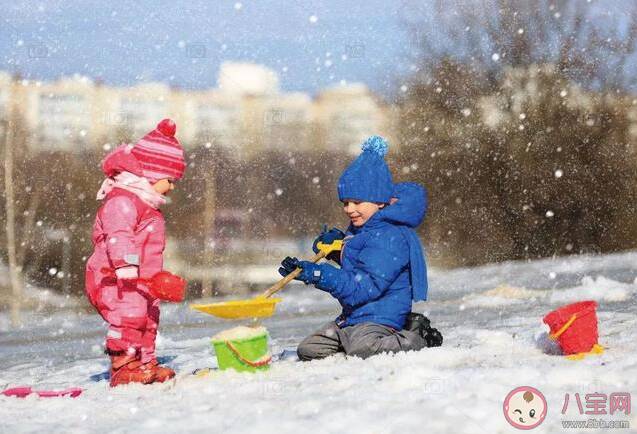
(127, 231)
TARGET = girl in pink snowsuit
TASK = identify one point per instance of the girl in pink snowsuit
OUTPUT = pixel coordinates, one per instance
(129, 240)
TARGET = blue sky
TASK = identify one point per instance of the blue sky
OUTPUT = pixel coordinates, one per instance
(311, 44)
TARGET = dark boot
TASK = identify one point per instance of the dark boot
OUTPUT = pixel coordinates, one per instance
(417, 322)
(433, 337)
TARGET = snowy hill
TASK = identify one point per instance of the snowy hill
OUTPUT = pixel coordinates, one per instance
(491, 318)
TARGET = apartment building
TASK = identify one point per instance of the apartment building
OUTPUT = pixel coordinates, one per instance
(246, 113)
(347, 114)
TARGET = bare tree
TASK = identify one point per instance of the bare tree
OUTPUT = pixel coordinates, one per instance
(519, 122)
(208, 223)
(10, 222)
(592, 43)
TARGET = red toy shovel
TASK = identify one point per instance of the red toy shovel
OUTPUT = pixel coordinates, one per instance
(24, 391)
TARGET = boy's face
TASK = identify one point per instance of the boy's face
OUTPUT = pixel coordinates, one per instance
(163, 186)
(359, 212)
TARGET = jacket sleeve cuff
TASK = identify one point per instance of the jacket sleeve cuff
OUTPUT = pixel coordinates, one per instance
(329, 277)
(128, 272)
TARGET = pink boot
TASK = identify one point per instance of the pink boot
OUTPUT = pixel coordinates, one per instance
(162, 373)
(128, 369)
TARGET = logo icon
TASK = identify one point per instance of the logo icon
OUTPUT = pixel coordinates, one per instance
(525, 407)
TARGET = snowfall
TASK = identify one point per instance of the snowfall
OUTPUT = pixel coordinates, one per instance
(494, 341)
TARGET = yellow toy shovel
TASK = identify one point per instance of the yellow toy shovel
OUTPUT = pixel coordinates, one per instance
(261, 306)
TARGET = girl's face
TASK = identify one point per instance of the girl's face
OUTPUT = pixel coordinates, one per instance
(163, 186)
(359, 212)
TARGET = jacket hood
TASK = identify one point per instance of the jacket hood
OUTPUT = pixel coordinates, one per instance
(121, 159)
(411, 207)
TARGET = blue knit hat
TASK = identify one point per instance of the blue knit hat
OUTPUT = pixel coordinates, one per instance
(368, 178)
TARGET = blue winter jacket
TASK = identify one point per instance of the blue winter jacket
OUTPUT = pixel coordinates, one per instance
(382, 264)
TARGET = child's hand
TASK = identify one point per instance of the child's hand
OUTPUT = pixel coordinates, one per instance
(328, 237)
(167, 287)
(310, 272)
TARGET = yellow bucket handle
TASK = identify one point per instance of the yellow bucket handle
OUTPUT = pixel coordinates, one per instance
(566, 325)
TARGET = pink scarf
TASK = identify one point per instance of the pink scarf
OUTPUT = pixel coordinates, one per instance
(136, 185)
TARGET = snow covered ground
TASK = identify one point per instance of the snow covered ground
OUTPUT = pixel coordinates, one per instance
(494, 341)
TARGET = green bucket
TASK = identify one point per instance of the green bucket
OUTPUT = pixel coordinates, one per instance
(244, 355)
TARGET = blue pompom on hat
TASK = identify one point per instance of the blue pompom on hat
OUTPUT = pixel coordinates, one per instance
(368, 178)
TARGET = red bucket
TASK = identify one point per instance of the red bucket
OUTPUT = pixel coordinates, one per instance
(574, 326)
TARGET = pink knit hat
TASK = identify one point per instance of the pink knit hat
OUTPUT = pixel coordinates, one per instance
(159, 153)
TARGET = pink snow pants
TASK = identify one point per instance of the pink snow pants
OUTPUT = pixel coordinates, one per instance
(133, 317)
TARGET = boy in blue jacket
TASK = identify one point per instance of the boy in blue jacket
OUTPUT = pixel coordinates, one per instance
(382, 265)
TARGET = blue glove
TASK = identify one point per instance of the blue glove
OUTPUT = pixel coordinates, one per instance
(310, 272)
(327, 237)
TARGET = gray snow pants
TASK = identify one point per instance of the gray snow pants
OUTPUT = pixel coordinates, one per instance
(362, 340)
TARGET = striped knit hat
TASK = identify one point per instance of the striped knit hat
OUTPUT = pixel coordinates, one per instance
(160, 154)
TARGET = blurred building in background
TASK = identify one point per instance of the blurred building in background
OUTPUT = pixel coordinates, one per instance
(247, 79)
(6, 83)
(247, 112)
(346, 114)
